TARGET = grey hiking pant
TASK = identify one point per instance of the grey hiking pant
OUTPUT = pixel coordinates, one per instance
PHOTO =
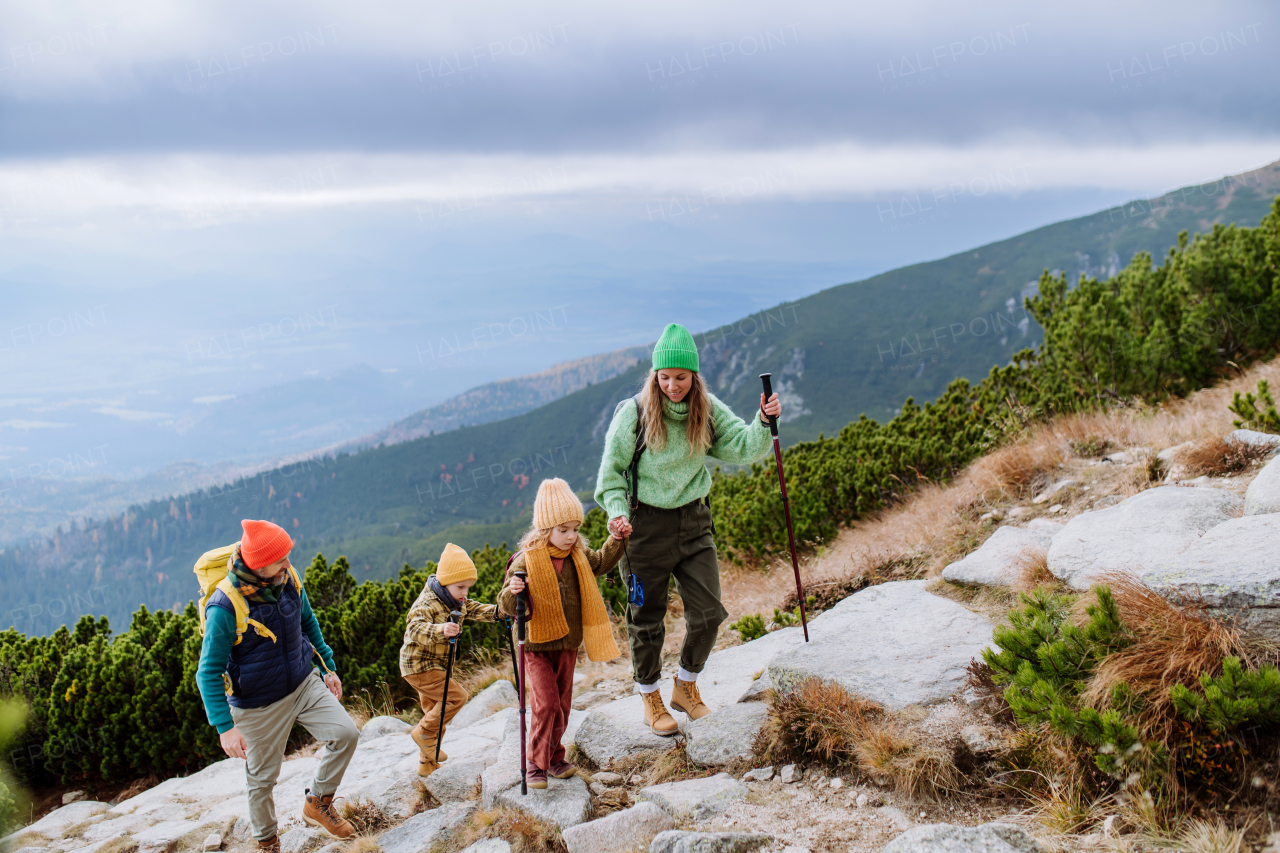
(266, 731)
(667, 544)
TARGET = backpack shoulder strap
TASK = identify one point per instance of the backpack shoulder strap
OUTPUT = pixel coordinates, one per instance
(633, 478)
(238, 604)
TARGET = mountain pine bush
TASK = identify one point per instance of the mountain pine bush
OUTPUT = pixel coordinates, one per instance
(1256, 413)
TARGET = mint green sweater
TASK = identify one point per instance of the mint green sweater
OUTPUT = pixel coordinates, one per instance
(670, 478)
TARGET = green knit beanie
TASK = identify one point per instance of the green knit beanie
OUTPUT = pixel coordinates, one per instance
(675, 349)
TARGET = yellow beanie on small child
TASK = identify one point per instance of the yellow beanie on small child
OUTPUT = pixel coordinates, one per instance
(455, 566)
(555, 504)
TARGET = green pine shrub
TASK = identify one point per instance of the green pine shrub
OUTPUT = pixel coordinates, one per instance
(1256, 413)
(750, 626)
(1238, 697)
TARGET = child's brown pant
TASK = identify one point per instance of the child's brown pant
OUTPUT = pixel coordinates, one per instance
(549, 686)
(430, 687)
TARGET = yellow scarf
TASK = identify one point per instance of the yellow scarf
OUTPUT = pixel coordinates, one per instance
(548, 623)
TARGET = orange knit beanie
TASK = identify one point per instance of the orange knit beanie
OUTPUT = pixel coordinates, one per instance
(263, 543)
(555, 504)
(455, 565)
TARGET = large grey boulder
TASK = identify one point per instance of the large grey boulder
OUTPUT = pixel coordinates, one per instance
(1254, 438)
(456, 779)
(383, 726)
(563, 803)
(694, 799)
(1234, 568)
(761, 690)
(1144, 532)
(683, 841)
(55, 822)
(617, 731)
(501, 694)
(725, 735)
(488, 845)
(896, 644)
(505, 769)
(300, 838)
(621, 832)
(1263, 495)
(946, 838)
(421, 832)
(996, 562)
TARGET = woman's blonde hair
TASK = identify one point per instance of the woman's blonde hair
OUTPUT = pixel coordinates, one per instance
(697, 427)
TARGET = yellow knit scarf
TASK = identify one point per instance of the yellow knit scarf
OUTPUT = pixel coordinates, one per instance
(548, 623)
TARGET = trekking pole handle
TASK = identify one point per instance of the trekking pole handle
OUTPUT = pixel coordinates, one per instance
(455, 616)
(520, 604)
(768, 392)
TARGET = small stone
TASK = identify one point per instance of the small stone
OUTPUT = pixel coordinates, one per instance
(1044, 496)
(73, 797)
(897, 817)
(636, 779)
(383, 726)
(1109, 826)
(1122, 457)
(862, 801)
(1055, 509)
(759, 774)
(211, 842)
(489, 845)
(982, 739)
(988, 838)
(1019, 512)
(837, 783)
(789, 774)
(604, 777)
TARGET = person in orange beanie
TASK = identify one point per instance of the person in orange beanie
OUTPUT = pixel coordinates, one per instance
(257, 679)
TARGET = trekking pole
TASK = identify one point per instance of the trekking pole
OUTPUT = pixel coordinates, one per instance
(520, 679)
(454, 616)
(786, 504)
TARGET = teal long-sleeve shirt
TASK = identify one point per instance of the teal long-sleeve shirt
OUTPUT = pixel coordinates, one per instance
(219, 638)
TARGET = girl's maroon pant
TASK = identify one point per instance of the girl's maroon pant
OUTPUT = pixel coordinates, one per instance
(549, 686)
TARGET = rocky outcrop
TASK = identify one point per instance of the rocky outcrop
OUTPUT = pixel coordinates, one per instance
(1141, 533)
(946, 838)
(683, 841)
(694, 799)
(621, 832)
(873, 644)
(501, 694)
(726, 735)
(1234, 568)
(1263, 495)
(423, 831)
(383, 726)
(996, 562)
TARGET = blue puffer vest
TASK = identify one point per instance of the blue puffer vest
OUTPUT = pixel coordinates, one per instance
(263, 671)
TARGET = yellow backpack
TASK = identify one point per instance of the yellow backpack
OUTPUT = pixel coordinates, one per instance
(211, 571)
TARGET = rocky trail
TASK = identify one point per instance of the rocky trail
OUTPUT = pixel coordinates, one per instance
(903, 645)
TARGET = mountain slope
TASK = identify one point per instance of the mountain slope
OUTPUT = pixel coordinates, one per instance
(856, 348)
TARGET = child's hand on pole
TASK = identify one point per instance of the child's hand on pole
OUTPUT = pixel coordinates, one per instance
(771, 407)
(517, 585)
(451, 629)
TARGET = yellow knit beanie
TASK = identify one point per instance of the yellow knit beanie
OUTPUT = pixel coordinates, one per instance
(454, 566)
(555, 504)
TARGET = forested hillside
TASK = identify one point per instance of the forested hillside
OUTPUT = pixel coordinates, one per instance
(833, 356)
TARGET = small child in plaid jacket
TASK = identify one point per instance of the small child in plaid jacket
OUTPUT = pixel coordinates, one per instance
(426, 647)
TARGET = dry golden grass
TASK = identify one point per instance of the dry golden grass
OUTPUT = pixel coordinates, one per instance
(1031, 570)
(657, 767)
(1174, 644)
(1215, 456)
(365, 817)
(525, 833)
(1201, 836)
(362, 844)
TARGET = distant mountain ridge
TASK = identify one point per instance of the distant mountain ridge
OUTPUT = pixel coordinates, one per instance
(854, 349)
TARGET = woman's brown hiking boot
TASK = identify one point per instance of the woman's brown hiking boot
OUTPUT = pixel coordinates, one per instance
(686, 699)
(271, 845)
(319, 811)
(656, 716)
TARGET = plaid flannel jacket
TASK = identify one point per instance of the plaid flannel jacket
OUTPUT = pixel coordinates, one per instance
(425, 646)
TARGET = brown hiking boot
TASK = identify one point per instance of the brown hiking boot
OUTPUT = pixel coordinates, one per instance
(656, 716)
(319, 811)
(426, 766)
(271, 845)
(686, 699)
(427, 745)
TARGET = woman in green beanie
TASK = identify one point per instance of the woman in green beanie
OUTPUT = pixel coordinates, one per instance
(665, 513)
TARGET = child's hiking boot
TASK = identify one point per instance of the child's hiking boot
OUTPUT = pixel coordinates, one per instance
(319, 811)
(562, 770)
(686, 699)
(656, 716)
(535, 778)
(427, 744)
(426, 765)
(271, 845)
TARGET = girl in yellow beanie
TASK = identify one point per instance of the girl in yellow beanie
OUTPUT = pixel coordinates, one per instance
(566, 611)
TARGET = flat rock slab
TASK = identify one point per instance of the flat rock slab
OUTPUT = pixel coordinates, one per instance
(563, 803)
(694, 799)
(683, 841)
(896, 644)
(946, 838)
(489, 845)
(725, 735)
(621, 832)
(761, 690)
(383, 726)
(996, 562)
(1144, 532)
(300, 838)
(1234, 568)
(456, 779)
(421, 832)
(55, 822)
(501, 694)
(617, 730)
(1255, 438)
(1263, 494)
